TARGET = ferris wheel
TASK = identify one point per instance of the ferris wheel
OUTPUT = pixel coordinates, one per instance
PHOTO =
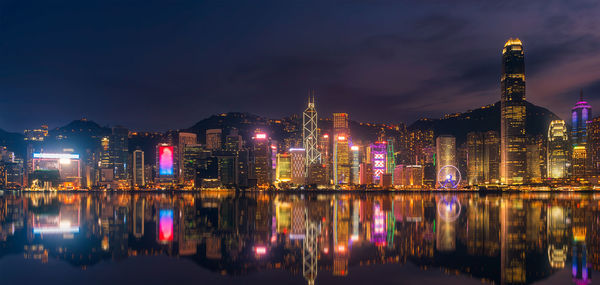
(449, 208)
(449, 177)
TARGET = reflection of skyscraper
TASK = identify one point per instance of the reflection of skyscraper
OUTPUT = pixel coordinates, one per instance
(138, 168)
(513, 113)
(557, 220)
(341, 224)
(513, 234)
(139, 208)
(341, 160)
(558, 145)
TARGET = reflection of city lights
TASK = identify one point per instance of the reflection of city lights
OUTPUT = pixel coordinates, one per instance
(65, 224)
(65, 161)
(354, 237)
(260, 250)
(326, 250)
(341, 248)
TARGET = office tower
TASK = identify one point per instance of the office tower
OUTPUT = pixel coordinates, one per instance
(213, 139)
(166, 162)
(183, 140)
(354, 171)
(341, 160)
(408, 175)
(558, 149)
(578, 161)
(310, 135)
(445, 151)
(513, 113)
(138, 168)
(261, 159)
(491, 157)
(581, 113)
(233, 141)
(366, 173)
(534, 172)
(193, 155)
(390, 161)
(475, 165)
(243, 168)
(341, 124)
(284, 168)
(326, 156)
(119, 152)
(593, 145)
(378, 160)
(298, 165)
(227, 161)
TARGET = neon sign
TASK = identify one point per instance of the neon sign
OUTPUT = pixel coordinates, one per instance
(165, 160)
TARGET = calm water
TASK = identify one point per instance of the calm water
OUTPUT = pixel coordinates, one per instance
(228, 238)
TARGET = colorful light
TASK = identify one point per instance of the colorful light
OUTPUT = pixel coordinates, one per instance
(354, 148)
(165, 225)
(341, 138)
(56, 155)
(166, 160)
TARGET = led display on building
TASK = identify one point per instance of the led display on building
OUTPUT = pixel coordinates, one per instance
(378, 153)
(165, 160)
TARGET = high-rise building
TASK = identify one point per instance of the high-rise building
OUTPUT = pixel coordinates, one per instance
(390, 160)
(261, 159)
(119, 152)
(284, 168)
(593, 145)
(183, 140)
(310, 135)
(138, 168)
(341, 124)
(213, 139)
(378, 160)
(579, 161)
(193, 157)
(513, 114)
(581, 113)
(445, 150)
(341, 160)
(534, 171)
(355, 168)
(483, 158)
(558, 149)
(298, 165)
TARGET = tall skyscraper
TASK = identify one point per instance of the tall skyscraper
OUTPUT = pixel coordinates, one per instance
(298, 165)
(378, 160)
(138, 168)
(213, 139)
(341, 160)
(284, 168)
(558, 149)
(513, 114)
(119, 152)
(183, 140)
(341, 125)
(445, 151)
(261, 159)
(310, 135)
(581, 113)
(355, 168)
(593, 144)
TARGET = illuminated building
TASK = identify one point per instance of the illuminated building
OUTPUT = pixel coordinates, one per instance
(68, 166)
(318, 174)
(119, 152)
(558, 150)
(213, 139)
(475, 149)
(534, 172)
(184, 139)
(233, 141)
(580, 114)
(310, 135)
(378, 160)
(355, 168)
(227, 161)
(408, 175)
(193, 157)
(261, 159)
(341, 160)
(445, 153)
(340, 125)
(284, 167)
(390, 161)
(579, 161)
(366, 173)
(593, 145)
(326, 157)
(166, 163)
(513, 113)
(298, 166)
(138, 168)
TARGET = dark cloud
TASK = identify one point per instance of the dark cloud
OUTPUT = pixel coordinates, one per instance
(159, 65)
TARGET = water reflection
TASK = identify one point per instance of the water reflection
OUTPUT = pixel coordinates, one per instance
(509, 239)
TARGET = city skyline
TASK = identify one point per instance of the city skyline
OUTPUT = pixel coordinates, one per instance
(119, 73)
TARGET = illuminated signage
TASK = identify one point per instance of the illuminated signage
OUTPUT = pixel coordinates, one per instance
(56, 155)
(354, 148)
(341, 138)
(297, 149)
(378, 153)
(261, 136)
(165, 160)
(165, 225)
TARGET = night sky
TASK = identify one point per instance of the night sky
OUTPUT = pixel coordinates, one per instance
(158, 65)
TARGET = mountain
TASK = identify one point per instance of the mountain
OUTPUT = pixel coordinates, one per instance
(244, 122)
(13, 141)
(486, 118)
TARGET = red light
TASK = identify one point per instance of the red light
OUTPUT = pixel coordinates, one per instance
(326, 250)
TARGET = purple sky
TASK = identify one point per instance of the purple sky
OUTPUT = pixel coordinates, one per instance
(157, 65)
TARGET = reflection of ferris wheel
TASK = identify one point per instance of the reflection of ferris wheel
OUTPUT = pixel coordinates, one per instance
(449, 209)
(448, 177)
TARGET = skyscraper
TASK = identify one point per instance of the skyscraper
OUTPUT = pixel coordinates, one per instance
(593, 144)
(445, 151)
(138, 168)
(581, 113)
(341, 160)
(558, 149)
(310, 135)
(298, 166)
(213, 139)
(183, 140)
(355, 168)
(340, 125)
(119, 152)
(261, 159)
(513, 114)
